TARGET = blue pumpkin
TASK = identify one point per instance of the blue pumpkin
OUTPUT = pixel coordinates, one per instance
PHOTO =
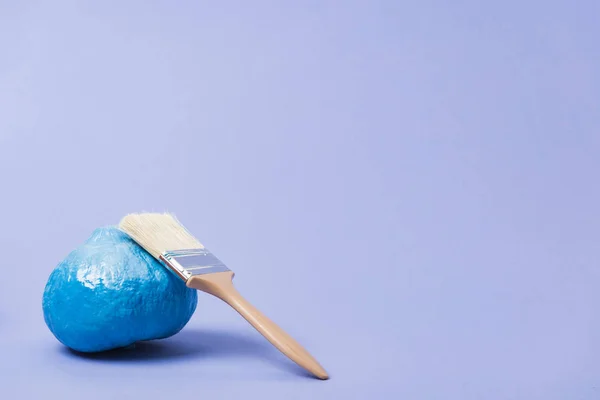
(110, 293)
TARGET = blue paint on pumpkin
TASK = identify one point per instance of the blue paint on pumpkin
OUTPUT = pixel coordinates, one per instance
(110, 293)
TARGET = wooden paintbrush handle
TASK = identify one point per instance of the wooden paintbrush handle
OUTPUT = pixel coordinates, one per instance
(220, 285)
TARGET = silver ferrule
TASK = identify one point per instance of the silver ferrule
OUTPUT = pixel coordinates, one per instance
(191, 262)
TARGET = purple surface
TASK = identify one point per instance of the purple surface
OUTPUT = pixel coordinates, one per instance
(409, 188)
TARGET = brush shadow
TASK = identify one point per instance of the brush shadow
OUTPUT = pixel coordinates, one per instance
(194, 344)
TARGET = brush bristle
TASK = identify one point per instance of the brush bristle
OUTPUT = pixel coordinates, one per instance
(158, 233)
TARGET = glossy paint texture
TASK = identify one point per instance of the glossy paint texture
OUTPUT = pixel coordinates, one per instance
(110, 293)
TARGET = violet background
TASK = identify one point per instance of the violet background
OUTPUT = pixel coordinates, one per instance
(409, 188)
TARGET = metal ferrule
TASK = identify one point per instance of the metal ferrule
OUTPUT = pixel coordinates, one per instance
(191, 262)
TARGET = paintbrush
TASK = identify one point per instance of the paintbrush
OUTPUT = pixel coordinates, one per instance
(165, 238)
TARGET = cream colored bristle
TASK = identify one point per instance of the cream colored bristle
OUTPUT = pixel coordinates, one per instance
(158, 233)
